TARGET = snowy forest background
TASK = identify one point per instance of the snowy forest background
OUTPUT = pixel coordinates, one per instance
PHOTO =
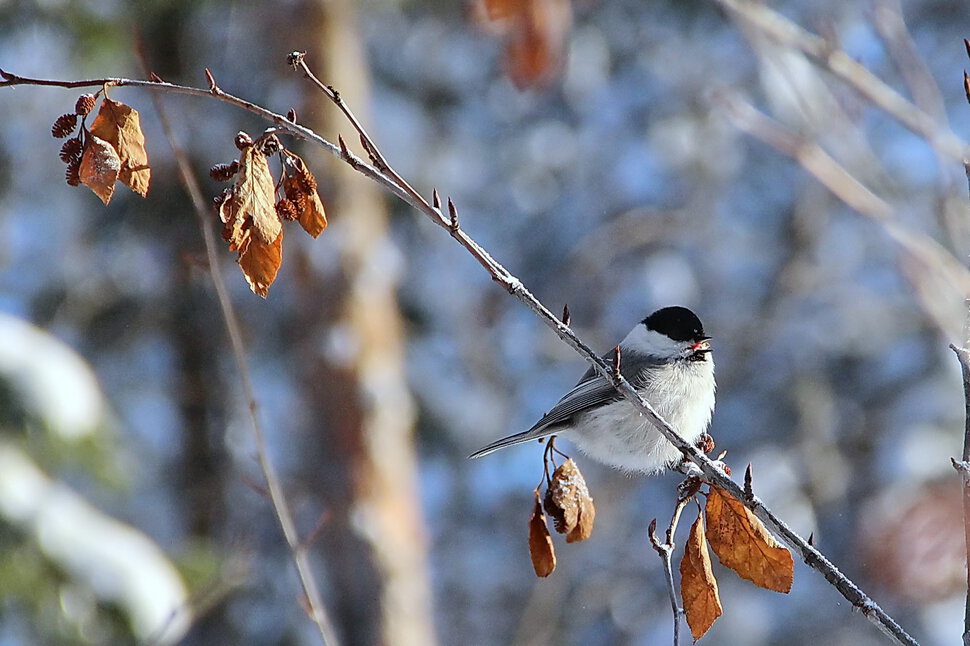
(618, 184)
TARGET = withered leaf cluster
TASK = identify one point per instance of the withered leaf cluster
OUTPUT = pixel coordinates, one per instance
(741, 543)
(698, 587)
(111, 150)
(251, 212)
(535, 35)
(568, 502)
(540, 541)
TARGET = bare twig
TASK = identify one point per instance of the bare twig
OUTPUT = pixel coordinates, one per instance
(916, 245)
(711, 472)
(963, 467)
(298, 550)
(666, 550)
(887, 18)
(783, 31)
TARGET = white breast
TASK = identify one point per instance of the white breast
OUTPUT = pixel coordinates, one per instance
(617, 434)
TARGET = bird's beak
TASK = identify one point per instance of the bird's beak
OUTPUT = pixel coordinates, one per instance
(703, 345)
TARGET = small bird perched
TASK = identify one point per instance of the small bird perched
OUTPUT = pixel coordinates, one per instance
(667, 359)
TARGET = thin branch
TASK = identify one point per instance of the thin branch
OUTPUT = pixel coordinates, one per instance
(297, 549)
(887, 18)
(666, 550)
(963, 467)
(710, 470)
(783, 31)
(916, 245)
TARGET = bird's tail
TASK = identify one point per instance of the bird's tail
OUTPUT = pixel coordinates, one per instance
(518, 438)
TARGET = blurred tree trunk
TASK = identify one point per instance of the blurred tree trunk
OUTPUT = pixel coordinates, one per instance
(359, 447)
(201, 469)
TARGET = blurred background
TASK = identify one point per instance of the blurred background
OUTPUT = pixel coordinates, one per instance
(592, 147)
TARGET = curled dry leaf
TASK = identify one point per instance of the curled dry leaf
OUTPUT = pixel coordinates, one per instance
(540, 542)
(251, 225)
(260, 261)
(568, 501)
(120, 125)
(743, 544)
(500, 9)
(254, 195)
(301, 182)
(698, 587)
(536, 44)
(99, 167)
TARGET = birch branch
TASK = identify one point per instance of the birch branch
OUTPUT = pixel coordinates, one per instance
(386, 178)
(783, 31)
(281, 508)
(963, 468)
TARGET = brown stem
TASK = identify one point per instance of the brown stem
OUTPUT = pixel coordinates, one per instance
(298, 549)
(712, 473)
(666, 550)
(963, 467)
(777, 27)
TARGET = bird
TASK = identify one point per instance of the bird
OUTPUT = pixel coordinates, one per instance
(668, 359)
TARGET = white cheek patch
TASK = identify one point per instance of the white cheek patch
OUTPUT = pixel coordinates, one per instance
(651, 342)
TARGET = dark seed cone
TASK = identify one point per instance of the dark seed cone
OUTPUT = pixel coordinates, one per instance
(299, 201)
(84, 105)
(271, 145)
(555, 512)
(243, 140)
(222, 197)
(308, 183)
(71, 150)
(73, 173)
(224, 172)
(287, 210)
(64, 125)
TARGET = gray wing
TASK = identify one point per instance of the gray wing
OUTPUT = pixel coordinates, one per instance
(593, 390)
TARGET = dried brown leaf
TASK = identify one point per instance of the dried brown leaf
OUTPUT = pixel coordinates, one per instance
(311, 214)
(99, 167)
(120, 125)
(743, 544)
(569, 503)
(535, 47)
(540, 542)
(698, 587)
(499, 9)
(254, 195)
(260, 261)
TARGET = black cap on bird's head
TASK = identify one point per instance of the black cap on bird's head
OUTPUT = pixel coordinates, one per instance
(678, 323)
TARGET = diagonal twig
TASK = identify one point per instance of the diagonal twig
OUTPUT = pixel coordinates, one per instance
(916, 245)
(666, 550)
(298, 550)
(963, 468)
(711, 471)
(839, 63)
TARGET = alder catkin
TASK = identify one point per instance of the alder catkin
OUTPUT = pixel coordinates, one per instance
(64, 125)
(84, 105)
